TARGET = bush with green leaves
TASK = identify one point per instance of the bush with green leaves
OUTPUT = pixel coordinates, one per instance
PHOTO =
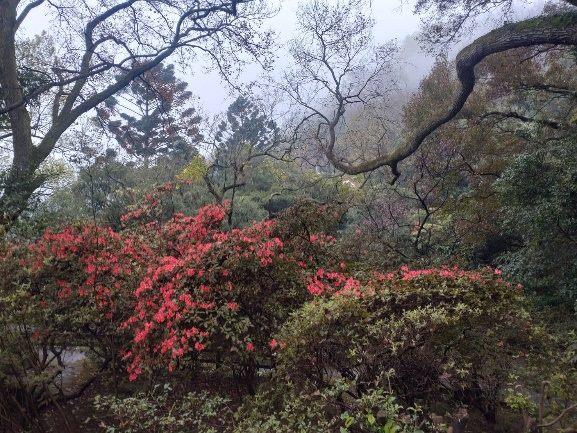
(285, 408)
(162, 411)
(440, 338)
(544, 391)
(281, 408)
(538, 193)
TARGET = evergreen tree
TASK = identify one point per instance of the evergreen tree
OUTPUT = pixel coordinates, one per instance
(154, 116)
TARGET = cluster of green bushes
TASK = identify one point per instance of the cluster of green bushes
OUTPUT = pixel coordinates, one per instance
(305, 342)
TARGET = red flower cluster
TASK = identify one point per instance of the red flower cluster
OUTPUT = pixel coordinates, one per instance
(334, 283)
(202, 280)
(407, 274)
(83, 265)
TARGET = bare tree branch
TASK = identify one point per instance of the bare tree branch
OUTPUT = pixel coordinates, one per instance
(558, 29)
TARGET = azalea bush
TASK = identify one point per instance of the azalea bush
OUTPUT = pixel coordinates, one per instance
(74, 288)
(66, 292)
(272, 306)
(219, 294)
(441, 338)
(170, 291)
(216, 295)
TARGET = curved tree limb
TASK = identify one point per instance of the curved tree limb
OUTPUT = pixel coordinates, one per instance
(27, 10)
(557, 29)
(559, 417)
(502, 115)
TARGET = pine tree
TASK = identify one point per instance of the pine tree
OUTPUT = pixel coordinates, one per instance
(154, 116)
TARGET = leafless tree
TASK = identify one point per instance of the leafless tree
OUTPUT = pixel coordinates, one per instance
(102, 46)
(341, 81)
(401, 219)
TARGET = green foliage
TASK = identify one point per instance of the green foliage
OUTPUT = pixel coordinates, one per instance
(377, 411)
(248, 209)
(520, 402)
(162, 411)
(284, 407)
(429, 339)
(546, 385)
(195, 170)
(106, 189)
(538, 193)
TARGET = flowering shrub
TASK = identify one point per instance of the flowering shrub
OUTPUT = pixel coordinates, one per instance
(181, 292)
(64, 291)
(171, 292)
(75, 286)
(218, 296)
(211, 292)
(435, 336)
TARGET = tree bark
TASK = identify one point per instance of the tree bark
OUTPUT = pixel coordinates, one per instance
(11, 93)
(24, 177)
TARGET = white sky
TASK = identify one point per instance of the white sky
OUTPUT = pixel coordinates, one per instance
(394, 20)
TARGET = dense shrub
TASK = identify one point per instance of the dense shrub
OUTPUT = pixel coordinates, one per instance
(162, 411)
(214, 295)
(72, 288)
(321, 348)
(438, 337)
(284, 407)
(538, 192)
(166, 290)
(66, 292)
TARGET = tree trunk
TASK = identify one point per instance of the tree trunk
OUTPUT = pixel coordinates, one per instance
(20, 181)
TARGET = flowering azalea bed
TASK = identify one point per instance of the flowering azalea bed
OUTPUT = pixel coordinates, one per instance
(170, 292)
(176, 294)
(186, 288)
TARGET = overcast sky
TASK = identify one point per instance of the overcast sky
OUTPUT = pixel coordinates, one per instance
(394, 21)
